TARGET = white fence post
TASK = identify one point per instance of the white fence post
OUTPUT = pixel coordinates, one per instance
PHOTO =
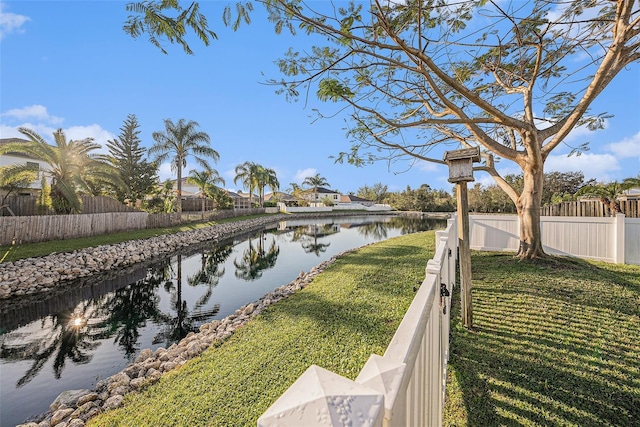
(321, 398)
(619, 242)
(386, 376)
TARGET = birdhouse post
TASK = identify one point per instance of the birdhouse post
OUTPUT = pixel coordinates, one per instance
(460, 164)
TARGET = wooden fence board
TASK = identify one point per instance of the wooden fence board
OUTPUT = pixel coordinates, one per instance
(41, 228)
(27, 206)
(591, 208)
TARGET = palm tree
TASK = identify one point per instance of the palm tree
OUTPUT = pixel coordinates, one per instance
(247, 173)
(266, 177)
(206, 180)
(315, 182)
(179, 141)
(73, 167)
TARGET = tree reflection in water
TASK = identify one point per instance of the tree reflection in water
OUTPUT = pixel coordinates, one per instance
(74, 335)
(308, 237)
(255, 259)
(130, 308)
(377, 230)
(177, 325)
(66, 335)
(409, 225)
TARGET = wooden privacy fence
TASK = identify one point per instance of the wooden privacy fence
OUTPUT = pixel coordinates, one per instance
(26, 205)
(591, 208)
(403, 388)
(41, 228)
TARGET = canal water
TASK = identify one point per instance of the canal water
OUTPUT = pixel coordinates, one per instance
(73, 340)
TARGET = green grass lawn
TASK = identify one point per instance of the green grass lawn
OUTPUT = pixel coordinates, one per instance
(347, 313)
(554, 343)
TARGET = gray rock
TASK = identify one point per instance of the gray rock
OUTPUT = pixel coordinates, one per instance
(60, 415)
(68, 398)
(114, 402)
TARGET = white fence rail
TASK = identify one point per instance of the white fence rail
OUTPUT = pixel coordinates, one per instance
(614, 239)
(403, 388)
(337, 207)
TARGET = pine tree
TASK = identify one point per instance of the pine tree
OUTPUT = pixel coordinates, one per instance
(139, 175)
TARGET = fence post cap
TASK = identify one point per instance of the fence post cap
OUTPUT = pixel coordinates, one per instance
(384, 375)
(321, 398)
(433, 267)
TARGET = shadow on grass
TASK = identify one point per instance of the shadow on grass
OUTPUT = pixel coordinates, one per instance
(554, 342)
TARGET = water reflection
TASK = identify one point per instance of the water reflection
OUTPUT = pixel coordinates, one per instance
(128, 310)
(182, 319)
(308, 236)
(64, 336)
(256, 259)
(71, 340)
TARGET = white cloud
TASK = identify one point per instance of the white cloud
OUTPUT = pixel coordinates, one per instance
(301, 174)
(11, 22)
(628, 147)
(429, 166)
(95, 131)
(597, 166)
(41, 129)
(99, 135)
(37, 112)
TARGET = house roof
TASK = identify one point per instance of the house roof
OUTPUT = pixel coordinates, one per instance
(351, 198)
(241, 193)
(280, 194)
(322, 190)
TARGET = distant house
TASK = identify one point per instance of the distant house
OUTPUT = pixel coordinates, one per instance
(355, 200)
(8, 159)
(241, 200)
(281, 197)
(631, 194)
(321, 193)
(189, 190)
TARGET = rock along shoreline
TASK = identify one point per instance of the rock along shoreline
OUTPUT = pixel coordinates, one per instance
(33, 276)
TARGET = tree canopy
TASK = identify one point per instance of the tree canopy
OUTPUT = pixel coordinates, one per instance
(512, 77)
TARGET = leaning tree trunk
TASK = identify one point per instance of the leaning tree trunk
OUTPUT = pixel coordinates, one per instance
(528, 205)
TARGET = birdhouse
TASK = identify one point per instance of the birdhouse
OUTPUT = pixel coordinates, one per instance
(461, 163)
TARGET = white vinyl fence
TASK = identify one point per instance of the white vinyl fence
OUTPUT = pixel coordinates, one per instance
(404, 387)
(337, 207)
(614, 239)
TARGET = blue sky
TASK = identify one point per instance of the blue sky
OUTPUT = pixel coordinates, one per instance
(69, 65)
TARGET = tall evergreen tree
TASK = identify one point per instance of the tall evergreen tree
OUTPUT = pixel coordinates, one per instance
(139, 175)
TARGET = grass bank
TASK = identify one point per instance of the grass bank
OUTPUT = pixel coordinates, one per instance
(28, 250)
(554, 343)
(348, 312)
